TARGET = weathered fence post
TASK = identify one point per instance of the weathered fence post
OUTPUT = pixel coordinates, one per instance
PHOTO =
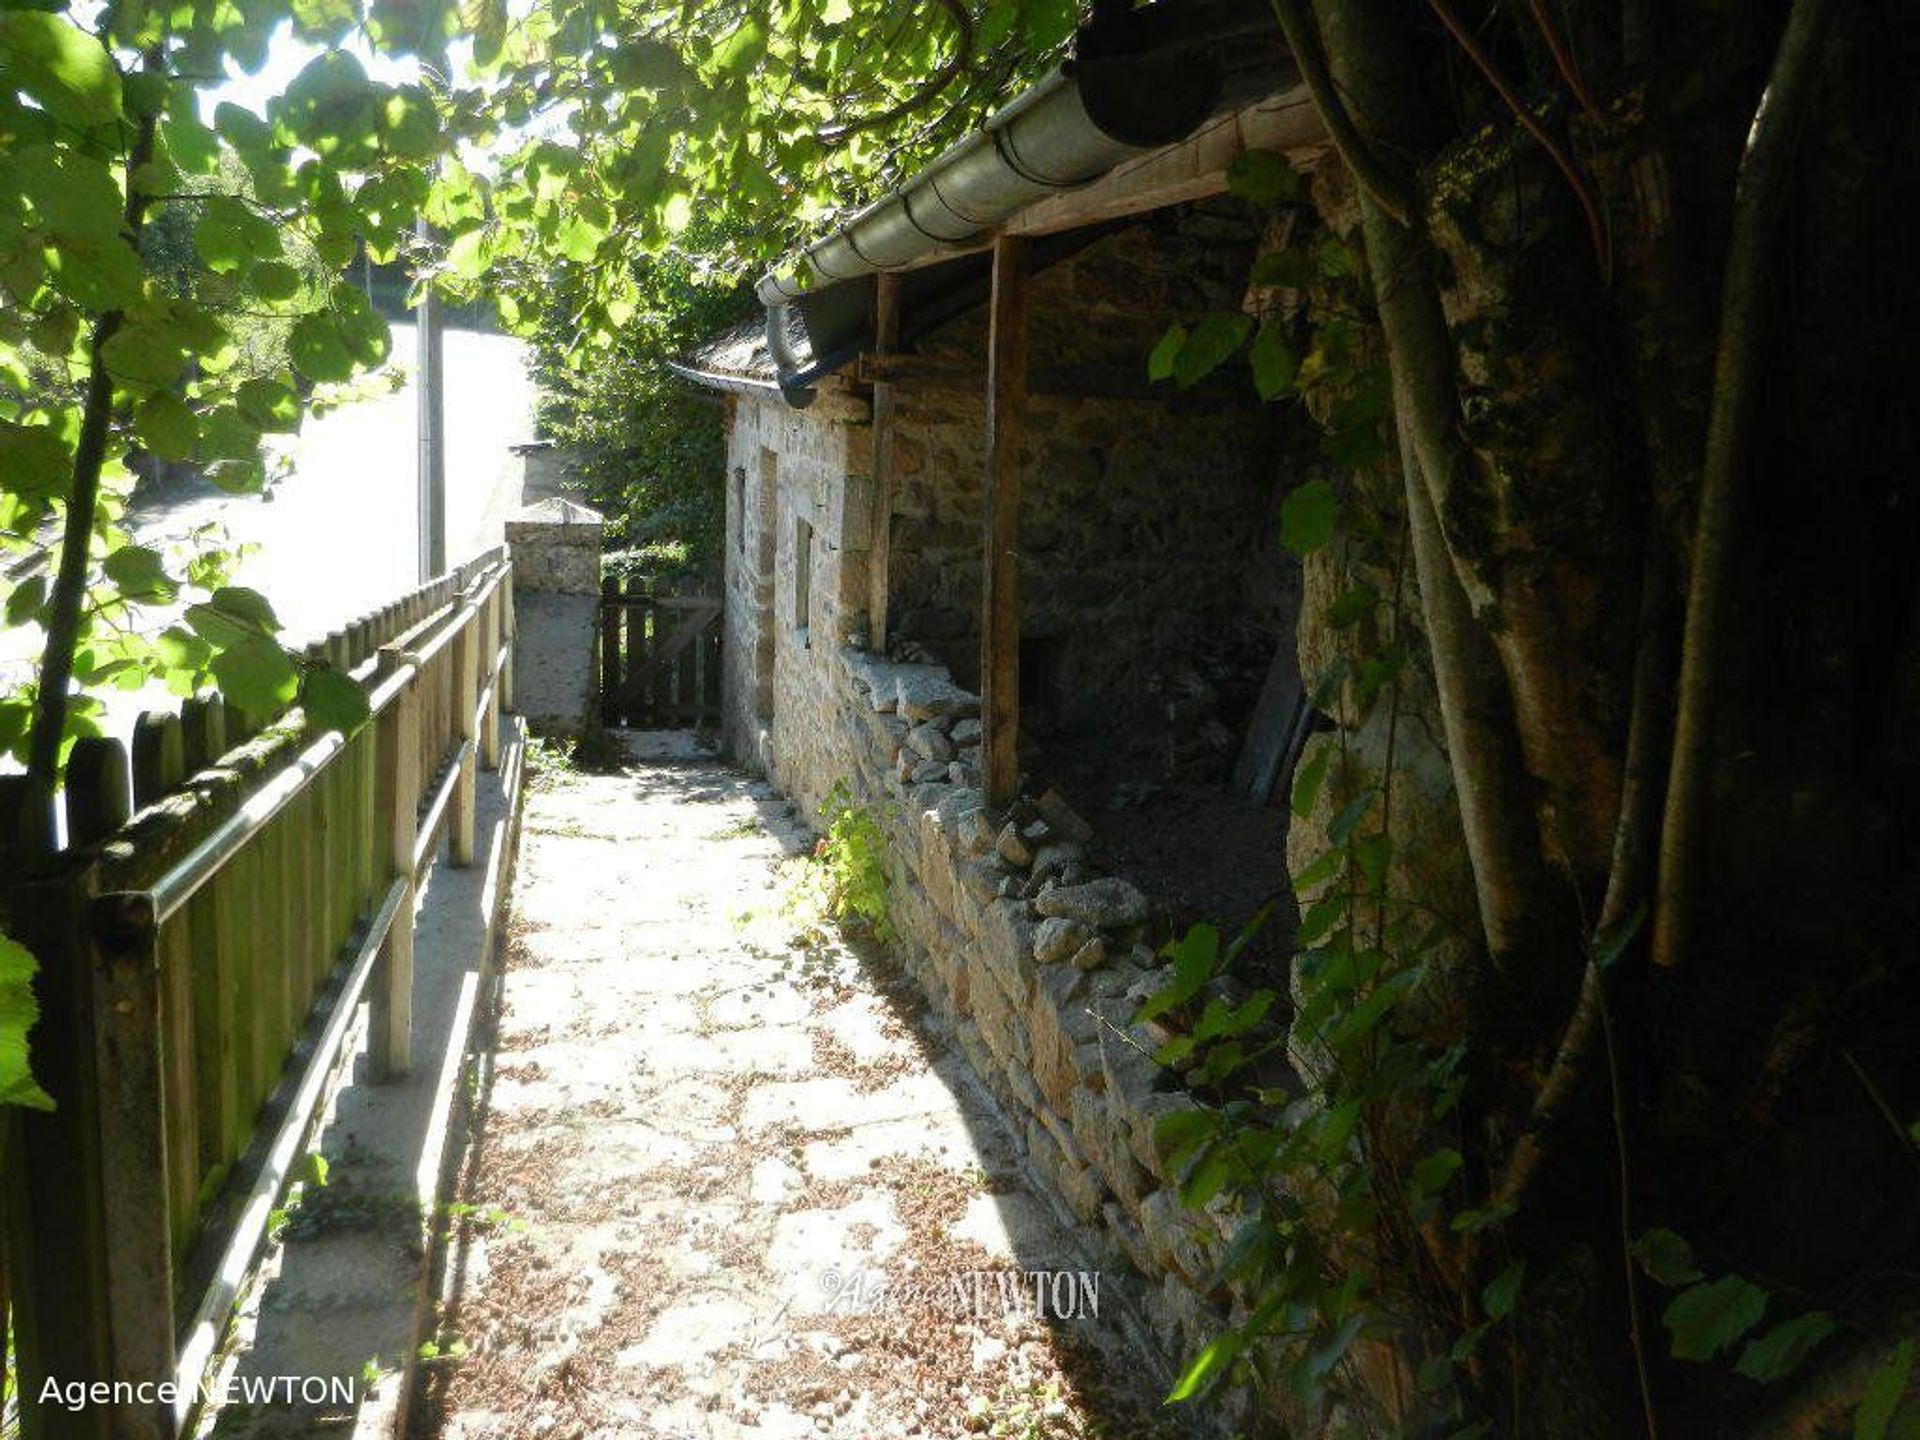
(610, 675)
(490, 678)
(506, 669)
(390, 1024)
(465, 698)
(55, 1242)
(131, 1085)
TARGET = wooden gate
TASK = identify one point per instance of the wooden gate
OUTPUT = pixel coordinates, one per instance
(660, 650)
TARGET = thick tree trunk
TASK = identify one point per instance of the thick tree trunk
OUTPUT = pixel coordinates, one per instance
(1555, 425)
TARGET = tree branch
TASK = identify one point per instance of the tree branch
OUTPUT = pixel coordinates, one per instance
(65, 605)
(935, 84)
(1391, 192)
(1596, 224)
(1759, 194)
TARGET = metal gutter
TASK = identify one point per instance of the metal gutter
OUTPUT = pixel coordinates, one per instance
(739, 384)
(1109, 104)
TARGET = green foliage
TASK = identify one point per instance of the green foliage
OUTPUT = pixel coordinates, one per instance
(656, 125)
(851, 856)
(18, 1012)
(647, 448)
(174, 288)
(1885, 1390)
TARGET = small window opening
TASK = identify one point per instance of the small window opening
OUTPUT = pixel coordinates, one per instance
(802, 575)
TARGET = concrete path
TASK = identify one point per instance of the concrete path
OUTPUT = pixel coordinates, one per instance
(728, 1183)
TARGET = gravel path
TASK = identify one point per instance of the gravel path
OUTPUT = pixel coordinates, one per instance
(727, 1183)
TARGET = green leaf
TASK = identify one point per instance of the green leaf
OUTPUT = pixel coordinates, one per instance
(18, 1012)
(256, 675)
(317, 350)
(1434, 1172)
(333, 701)
(1307, 517)
(34, 459)
(61, 66)
(1883, 1393)
(1341, 827)
(1214, 341)
(1308, 779)
(1352, 606)
(1501, 1291)
(26, 600)
(1778, 1353)
(1264, 178)
(1160, 362)
(166, 425)
(1273, 361)
(1666, 1257)
(274, 280)
(140, 574)
(229, 234)
(1208, 1367)
(1708, 1318)
(1195, 954)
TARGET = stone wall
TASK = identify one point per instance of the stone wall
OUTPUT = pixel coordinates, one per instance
(1148, 544)
(1150, 577)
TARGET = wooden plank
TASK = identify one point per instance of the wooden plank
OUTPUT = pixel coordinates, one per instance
(886, 339)
(465, 676)
(203, 730)
(55, 1231)
(1000, 583)
(666, 650)
(610, 614)
(390, 1020)
(131, 1084)
(1281, 697)
(159, 757)
(99, 789)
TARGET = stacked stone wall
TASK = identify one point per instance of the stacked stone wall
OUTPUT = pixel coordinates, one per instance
(1147, 536)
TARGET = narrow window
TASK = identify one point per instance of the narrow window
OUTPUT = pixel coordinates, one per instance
(802, 574)
(740, 509)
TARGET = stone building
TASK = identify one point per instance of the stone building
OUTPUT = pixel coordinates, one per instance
(950, 473)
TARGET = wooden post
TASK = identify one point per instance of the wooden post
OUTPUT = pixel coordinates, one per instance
(390, 1022)
(130, 1080)
(99, 790)
(610, 674)
(159, 757)
(56, 1246)
(507, 617)
(465, 696)
(489, 653)
(1000, 599)
(203, 731)
(159, 765)
(886, 340)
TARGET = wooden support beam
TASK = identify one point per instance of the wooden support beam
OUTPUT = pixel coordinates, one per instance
(886, 340)
(1000, 587)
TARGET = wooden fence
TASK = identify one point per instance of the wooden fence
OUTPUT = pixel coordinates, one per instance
(201, 961)
(659, 654)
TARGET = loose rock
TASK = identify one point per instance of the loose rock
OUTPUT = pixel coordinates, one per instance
(930, 742)
(1013, 849)
(1102, 904)
(1090, 956)
(1056, 940)
(1053, 808)
(923, 696)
